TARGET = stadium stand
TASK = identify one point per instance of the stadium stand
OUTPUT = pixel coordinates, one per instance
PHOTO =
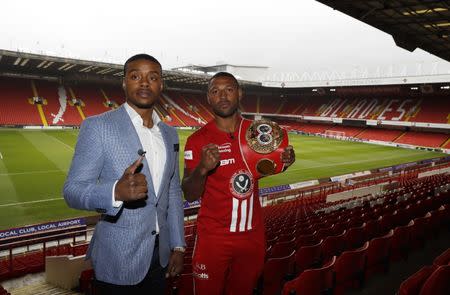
(379, 134)
(93, 98)
(427, 108)
(269, 105)
(248, 103)
(423, 138)
(430, 279)
(14, 101)
(59, 110)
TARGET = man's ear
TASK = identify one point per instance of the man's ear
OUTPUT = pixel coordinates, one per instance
(123, 84)
(240, 94)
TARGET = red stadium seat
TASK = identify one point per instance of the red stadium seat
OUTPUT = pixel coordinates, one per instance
(419, 232)
(372, 229)
(85, 281)
(349, 269)
(443, 259)
(282, 249)
(378, 254)
(274, 273)
(322, 233)
(333, 246)
(413, 284)
(316, 281)
(308, 257)
(400, 244)
(355, 237)
(387, 222)
(306, 240)
(438, 283)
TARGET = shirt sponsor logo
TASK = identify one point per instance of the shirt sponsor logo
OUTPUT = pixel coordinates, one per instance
(225, 148)
(225, 162)
(200, 271)
(202, 276)
(188, 155)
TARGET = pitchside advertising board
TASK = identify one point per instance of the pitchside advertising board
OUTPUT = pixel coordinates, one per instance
(40, 228)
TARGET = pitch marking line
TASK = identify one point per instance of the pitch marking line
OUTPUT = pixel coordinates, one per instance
(31, 172)
(30, 202)
(354, 162)
(65, 144)
(1, 156)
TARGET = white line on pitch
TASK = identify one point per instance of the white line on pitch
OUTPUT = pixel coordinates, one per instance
(1, 156)
(68, 146)
(31, 172)
(30, 202)
(355, 162)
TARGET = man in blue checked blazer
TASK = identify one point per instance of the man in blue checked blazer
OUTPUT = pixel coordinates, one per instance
(125, 167)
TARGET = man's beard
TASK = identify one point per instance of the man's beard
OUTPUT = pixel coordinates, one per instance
(144, 106)
(226, 114)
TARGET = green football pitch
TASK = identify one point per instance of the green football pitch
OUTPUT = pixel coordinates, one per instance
(34, 164)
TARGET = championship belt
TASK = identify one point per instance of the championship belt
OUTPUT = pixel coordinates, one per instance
(262, 142)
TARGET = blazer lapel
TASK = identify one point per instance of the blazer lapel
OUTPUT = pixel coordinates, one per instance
(130, 136)
(169, 152)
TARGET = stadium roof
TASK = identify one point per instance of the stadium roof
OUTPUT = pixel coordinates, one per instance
(24, 64)
(413, 24)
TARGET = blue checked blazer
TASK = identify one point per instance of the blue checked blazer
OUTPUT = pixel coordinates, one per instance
(122, 245)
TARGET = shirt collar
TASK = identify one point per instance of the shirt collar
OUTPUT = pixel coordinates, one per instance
(136, 118)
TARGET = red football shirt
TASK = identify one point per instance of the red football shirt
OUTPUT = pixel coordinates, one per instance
(230, 201)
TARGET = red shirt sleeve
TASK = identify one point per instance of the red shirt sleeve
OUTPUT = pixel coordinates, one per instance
(192, 153)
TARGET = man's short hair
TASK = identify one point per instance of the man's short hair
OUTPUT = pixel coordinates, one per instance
(223, 74)
(138, 57)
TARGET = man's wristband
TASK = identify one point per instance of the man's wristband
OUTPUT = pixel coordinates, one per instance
(179, 249)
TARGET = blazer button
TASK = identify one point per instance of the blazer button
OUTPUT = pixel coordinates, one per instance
(153, 232)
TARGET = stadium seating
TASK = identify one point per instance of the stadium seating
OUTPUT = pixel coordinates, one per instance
(423, 138)
(269, 105)
(58, 111)
(249, 104)
(85, 281)
(275, 271)
(380, 134)
(349, 269)
(333, 246)
(400, 243)
(432, 110)
(438, 282)
(14, 106)
(442, 259)
(355, 237)
(414, 283)
(314, 281)
(94, 99)
(430, 279)
(307, 257)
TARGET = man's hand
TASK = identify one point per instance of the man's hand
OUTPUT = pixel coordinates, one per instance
(175, 266)
(288, 156)
(132, 186)
(210, 158)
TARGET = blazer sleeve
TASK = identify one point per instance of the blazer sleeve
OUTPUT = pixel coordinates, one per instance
(175, 217)
(83, 188)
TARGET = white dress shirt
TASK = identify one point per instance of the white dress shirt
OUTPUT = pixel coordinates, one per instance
(153, 143)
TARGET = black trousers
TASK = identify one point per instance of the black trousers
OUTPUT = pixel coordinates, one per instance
(154, 281)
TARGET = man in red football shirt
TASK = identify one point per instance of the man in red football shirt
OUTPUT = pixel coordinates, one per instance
(230, 246)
